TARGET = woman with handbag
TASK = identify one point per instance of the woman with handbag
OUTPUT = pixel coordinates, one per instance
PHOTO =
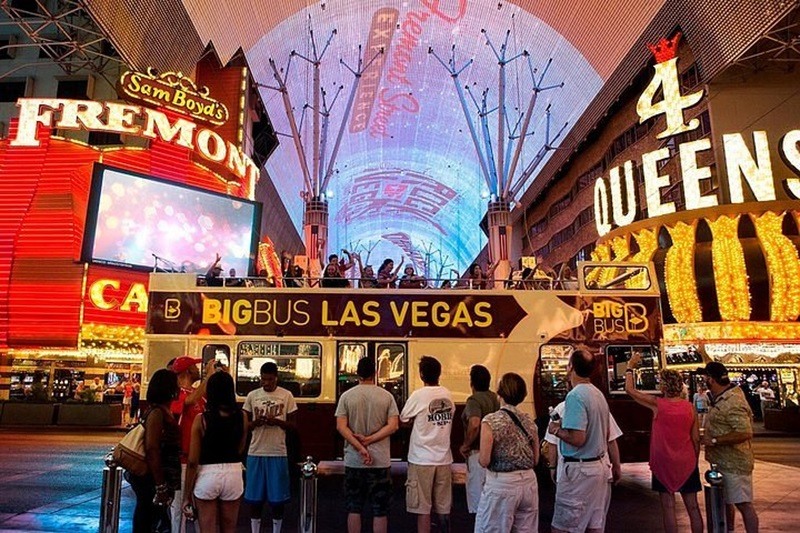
(214, 470)
(509, 449)
(162, 443)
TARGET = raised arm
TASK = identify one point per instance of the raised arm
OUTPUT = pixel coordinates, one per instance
(214, 265)
(639, 397)
(399, 266)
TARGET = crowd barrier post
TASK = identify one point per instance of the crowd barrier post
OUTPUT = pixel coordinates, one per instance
(308, 496)
(110, 496)
(715, 501)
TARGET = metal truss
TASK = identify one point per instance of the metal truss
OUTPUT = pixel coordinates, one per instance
(778, 47)
(64, 30)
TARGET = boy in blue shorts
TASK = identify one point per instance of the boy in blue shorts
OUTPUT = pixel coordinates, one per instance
(269, 409)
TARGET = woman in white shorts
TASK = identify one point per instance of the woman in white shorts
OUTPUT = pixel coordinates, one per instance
(214, 470)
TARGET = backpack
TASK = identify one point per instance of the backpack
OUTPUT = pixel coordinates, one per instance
(130, 452)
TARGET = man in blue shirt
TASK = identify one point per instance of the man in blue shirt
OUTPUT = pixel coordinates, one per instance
(582, 495)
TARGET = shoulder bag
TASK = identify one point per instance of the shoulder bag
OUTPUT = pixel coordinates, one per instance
(130, 452)
(516, 421)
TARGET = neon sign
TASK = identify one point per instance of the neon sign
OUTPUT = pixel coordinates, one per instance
(174, 91)
(135, 300)
(129, 119)
(741, 165)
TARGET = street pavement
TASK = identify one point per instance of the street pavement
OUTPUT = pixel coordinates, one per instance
(50, 481)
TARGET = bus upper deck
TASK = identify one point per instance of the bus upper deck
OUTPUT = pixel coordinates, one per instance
(317, 335)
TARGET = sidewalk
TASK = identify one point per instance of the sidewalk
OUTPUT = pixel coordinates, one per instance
(634, 506)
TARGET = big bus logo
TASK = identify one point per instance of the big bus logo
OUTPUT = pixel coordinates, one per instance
(616, 317)
(172, 309)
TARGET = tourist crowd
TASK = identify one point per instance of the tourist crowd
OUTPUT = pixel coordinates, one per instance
(196, 435)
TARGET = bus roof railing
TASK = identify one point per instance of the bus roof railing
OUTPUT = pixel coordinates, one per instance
(591, 276)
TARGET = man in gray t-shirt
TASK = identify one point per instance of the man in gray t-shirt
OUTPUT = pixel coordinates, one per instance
(366, 416)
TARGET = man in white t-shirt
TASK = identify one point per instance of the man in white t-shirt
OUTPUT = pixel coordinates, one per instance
(429, 485)
(269, 409)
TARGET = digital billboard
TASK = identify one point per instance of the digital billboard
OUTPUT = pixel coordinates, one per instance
(143, 222)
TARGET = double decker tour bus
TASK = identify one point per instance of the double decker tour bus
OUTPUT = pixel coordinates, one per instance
(317, 336)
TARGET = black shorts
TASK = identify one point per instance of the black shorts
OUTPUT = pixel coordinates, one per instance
(373, 485)
(691, 485)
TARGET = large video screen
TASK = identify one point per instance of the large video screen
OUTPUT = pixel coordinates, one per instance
(143, 222)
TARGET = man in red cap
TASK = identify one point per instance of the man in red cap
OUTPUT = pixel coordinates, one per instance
(191, 401)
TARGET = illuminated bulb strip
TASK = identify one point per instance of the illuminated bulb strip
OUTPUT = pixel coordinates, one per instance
(679, 275)
(622, 252)
(601, 254)
(621, 248)
(731, 331)
(648, 244)
(783, 267)
(730, 273)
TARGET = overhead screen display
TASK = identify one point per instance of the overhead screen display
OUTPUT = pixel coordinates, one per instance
(408, 183)
(143, 222)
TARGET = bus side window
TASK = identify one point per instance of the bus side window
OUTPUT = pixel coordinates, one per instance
(219, 352)
(646, 376)
(299, 366)
(350, 353)
(553, 361)
(391, 370)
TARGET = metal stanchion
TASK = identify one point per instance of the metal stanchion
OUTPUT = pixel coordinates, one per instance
(110, 496)
(715, 501)
(308, 496)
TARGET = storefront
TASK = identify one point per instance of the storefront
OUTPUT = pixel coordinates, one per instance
(719, 218)
(74, 257)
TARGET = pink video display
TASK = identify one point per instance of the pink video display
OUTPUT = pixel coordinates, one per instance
(144, 222)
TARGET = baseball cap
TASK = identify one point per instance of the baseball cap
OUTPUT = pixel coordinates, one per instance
(715, 370)
(182, 364)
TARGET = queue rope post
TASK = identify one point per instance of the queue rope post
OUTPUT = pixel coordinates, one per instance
(715, 501)
(308, 496)
(110, 496)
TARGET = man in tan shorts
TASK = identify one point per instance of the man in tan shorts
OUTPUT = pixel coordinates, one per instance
(429, 484)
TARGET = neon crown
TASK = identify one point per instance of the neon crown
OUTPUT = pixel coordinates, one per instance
(665, 49)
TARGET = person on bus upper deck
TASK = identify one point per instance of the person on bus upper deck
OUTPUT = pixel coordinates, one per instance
(410, 280)
(366, 273)
(214, 273)
(481, 403)
(332, 278)
(387, 274)
(270, 411)
(430, 410)
(366, 416)
(343, 267)
(582, 495)
(478, 279)
(674, 445)
(190, 402)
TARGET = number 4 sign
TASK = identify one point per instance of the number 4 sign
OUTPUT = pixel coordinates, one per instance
(672, 102)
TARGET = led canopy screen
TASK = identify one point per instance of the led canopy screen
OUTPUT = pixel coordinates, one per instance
(143, 222)
(406, 181)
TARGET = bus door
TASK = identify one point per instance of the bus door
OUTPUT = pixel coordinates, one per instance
(391, 364)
